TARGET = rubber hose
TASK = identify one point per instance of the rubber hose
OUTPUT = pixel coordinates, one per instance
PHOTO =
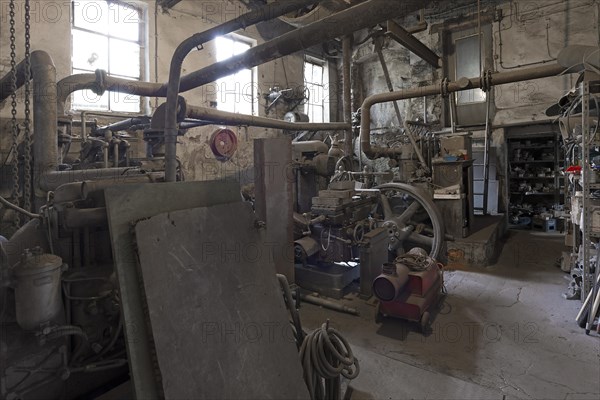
(325, 356)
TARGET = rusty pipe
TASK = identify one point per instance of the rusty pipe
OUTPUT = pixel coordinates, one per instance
(342, 23)
(498, 78)
(227, 118)
(267, 12)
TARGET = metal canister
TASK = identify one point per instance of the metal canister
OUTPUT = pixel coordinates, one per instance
(37, 283)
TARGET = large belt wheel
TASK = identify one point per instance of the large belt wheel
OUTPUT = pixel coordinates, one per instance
(412, 219)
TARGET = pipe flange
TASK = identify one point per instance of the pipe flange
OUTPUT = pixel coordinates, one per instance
(99, 86)
(444, 87)
(486, 80)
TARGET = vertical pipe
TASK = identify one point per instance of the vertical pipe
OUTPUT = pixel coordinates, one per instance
(347, 88)
(486, 152)
(45, 149)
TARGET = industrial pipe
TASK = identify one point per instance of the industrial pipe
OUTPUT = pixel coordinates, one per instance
(499, 78)
(347, 93)
(343, 23)
(227, 118)
(51, 180)
(267, 12)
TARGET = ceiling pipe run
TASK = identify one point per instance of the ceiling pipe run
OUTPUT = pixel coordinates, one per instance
(343, 23)
(101, 82)
(263, 14)
(498, 78)
(227, 118)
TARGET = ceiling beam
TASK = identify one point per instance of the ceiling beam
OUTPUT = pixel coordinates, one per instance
(413, 44)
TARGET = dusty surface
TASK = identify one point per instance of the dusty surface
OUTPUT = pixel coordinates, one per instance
(502, 331)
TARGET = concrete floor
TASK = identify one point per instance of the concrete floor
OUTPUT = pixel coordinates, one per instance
(503, 331)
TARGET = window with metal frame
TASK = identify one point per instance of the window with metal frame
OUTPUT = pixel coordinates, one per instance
(107, 35)
(237, 92)
(316, 82)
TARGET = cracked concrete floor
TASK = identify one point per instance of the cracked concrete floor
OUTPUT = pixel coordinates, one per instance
(503, 331)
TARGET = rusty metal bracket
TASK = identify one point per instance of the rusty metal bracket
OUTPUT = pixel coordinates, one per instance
(413, 44)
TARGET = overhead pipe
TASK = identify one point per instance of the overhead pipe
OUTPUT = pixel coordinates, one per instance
(267, 12)
(100, 81)
(499, 78)
(227, 118)
(340, 24)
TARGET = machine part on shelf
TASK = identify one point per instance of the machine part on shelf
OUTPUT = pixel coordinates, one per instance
(329, 304)
(499, 78)
(38, 289)
(223, 143)
(326, 356)
(345, 22)
(411, 202)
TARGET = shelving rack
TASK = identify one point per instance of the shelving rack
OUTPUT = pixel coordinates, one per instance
(590, 140)
(537, 143)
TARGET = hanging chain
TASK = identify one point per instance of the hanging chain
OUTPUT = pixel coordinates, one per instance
(14, 128)
(27, 165)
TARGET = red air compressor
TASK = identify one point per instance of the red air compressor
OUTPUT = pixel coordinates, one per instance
(409, 286)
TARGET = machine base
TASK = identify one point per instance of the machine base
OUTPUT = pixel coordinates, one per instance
(331, 280)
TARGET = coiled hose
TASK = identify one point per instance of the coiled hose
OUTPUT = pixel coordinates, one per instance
(325, 355)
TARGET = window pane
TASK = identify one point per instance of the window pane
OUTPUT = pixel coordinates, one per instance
(124, 22)
(468, 65)
(124, 58)
(90, 51)
(235, 93)
(224, 48)
(240, 47)
(91, 14)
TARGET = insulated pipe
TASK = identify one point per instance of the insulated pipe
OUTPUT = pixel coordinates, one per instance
(262, 14)
(499, 78)
(45, 148)
(227, 118)
(343, 23)
(347, 92)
